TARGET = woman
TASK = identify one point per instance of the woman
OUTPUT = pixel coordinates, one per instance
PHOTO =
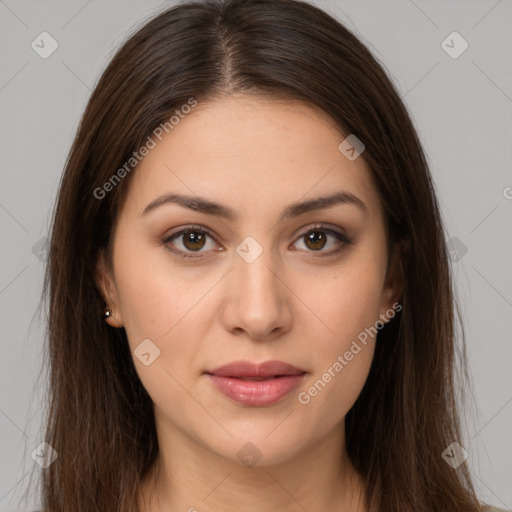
(250, 298)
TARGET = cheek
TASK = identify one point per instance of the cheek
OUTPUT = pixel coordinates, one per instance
(171, 308)
(154, 294)
(332, 393)
(341, 360)
(349, 301)
(349, 305)
(159, 304)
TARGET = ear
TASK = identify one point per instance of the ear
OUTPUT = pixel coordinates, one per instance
(106, 286)
(393, 287)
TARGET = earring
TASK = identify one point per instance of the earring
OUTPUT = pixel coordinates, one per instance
(108, 313)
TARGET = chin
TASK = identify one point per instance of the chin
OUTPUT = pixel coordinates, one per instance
(257, 449)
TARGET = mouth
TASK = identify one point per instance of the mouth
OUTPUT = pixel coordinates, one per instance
(256, 385)
(258, 379)
(250, 370)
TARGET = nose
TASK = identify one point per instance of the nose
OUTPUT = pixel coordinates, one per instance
(258, 298)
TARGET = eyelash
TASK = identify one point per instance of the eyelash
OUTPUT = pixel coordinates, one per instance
(197, 229)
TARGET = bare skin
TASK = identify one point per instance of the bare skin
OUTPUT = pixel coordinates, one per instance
(292, 304)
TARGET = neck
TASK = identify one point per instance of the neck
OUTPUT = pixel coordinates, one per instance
(189, 477)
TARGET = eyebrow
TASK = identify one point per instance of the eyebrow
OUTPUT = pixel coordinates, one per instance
(206, 206)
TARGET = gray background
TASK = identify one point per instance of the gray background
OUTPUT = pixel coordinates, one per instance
(461, 106)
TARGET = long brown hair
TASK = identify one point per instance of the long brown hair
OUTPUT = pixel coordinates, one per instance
(100, 418)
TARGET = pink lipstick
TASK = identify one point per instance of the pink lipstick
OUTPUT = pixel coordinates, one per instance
(256, 385)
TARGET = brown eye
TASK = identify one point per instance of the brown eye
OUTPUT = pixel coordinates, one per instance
(189, 241)
(193, 240)
(315, 240)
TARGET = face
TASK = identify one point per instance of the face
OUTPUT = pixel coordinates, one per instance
(197, 290)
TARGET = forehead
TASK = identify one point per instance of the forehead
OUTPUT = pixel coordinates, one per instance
(249, 151)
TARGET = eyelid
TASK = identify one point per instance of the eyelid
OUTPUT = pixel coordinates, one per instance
(337, 232)
(176, 234)
(192, 227)
(322, 226)
(340, 235)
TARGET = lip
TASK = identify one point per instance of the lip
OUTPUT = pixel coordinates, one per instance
(249, 369)
(276, 379)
